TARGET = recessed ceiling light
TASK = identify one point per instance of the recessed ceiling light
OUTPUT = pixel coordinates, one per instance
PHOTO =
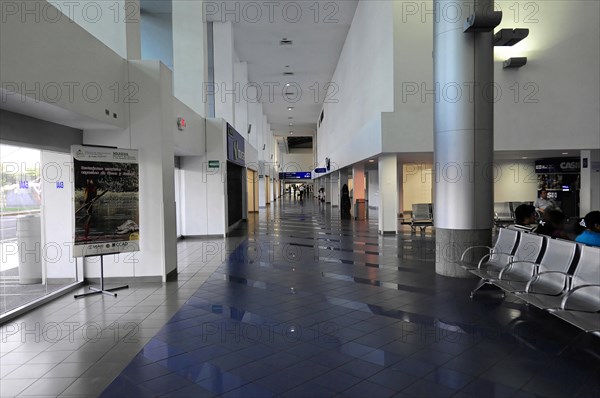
(287, 85)
(290, 108)
(371, 160)
(291, 133)
(524, 157)
(565, 153)
(291, 124)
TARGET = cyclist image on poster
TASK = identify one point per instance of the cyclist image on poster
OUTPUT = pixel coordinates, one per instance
(105, 201)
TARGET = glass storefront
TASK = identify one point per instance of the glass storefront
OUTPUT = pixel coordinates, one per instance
(35, 225)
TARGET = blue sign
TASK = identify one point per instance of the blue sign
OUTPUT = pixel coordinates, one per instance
(301, 175)
(235, 146)
(321, 170)
(60, 184)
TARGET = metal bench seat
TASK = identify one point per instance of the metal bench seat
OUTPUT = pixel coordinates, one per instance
(546, 277)
(583, 287)
(422, 217)
(589, 322)
(503, 214)
(528, 251)
(504, 247)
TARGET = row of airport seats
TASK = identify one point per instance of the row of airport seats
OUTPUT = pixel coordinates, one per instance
(421, 217)
(504, 212)
(555, 275)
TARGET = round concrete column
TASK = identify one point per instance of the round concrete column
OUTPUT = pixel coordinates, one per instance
(463, 133)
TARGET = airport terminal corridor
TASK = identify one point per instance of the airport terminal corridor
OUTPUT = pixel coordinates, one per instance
(311, 305)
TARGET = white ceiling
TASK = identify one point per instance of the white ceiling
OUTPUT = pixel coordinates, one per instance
(312, 57)
(318, 29)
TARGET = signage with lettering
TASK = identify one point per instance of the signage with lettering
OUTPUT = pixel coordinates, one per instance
(106, 200)
(235, 146)
(301, 175)
(213, 164)
(321, 170)
(568, 165)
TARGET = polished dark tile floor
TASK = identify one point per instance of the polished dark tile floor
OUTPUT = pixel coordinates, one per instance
(309, 305)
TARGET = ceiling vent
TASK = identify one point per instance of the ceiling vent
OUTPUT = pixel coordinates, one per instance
(288, 73)
(285, 42)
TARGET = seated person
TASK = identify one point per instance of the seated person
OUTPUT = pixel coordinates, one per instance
(591, 235)
(542, 203)
(553, 224)
(524, 219)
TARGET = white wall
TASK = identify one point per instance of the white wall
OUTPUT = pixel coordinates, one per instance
(542, 106)
(298, 160)
(190, 55)
(105, 20)
(157, 37)
(151, 132)
(410, 127)
(538, 106)
(515, 181)
(223, 62)
(205, 189)
(253, 109)
(192, 140)
(351, 128)
(57, 216)
(240, 77)
(417, 182)
(62, 64)
(373, 188)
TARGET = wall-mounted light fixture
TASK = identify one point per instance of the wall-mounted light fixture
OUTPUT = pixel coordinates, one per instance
(515, 62)
(509, 37)
(482, 21)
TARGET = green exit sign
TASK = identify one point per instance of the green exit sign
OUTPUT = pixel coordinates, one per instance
(213, 164)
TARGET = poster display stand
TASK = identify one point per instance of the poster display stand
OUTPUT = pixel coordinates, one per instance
(105, 205)
(102, 290)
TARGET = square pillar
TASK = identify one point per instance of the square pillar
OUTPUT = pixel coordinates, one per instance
(388, 194)
(358, 171)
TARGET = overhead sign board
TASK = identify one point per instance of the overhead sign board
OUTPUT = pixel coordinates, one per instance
(301, 175)
(565, 165)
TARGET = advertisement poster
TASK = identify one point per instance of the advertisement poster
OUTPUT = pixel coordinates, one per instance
(106, 182)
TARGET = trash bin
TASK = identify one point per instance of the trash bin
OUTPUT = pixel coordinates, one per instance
(360, 209)
(29, 238)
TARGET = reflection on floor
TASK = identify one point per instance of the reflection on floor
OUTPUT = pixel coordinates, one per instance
(310, 305)
(305, 305)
